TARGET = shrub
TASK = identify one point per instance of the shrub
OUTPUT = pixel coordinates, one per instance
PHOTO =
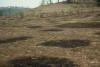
(21, 14)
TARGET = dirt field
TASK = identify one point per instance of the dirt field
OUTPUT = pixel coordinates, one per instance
(65, 41)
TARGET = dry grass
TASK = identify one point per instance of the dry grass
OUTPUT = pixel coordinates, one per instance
(26, 37)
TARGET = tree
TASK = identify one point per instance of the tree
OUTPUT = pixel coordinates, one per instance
(50, 1)
(58, 1)
(69, 1)
(43, 2)
(1, 12)
(98, 2)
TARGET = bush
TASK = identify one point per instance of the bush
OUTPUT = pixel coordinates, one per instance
(21, 14)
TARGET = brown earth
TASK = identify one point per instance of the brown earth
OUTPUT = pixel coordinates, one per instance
(47, 39)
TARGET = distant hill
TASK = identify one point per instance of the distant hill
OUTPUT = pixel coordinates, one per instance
(11, 10)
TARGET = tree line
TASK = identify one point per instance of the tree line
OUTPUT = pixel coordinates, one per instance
(72, 1)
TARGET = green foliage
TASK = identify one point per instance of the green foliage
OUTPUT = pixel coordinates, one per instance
(75, 6)
(98, 3)
(5, 11)
(21, 14)
(1, 12)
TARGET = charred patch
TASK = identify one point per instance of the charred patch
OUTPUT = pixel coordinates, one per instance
(52, 30)
(98, 33)
(34, 27)
(14, 39)
(41, 62)
(80, 25)
(66, 43)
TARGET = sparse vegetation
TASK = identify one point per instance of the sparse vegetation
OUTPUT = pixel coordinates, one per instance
(54, 35)
(21, 15)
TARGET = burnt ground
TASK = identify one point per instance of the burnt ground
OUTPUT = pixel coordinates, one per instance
(41, 62)
(14, 39)
(52, 30)
(67, 43)
(80, 25)
(64, 43)
(97, 33)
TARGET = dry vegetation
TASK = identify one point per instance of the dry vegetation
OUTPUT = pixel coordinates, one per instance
(56, 35)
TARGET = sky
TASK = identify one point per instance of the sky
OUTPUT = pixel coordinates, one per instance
(22, 3)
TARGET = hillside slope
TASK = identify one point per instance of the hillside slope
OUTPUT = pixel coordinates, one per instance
(56, 35)
(12, 10)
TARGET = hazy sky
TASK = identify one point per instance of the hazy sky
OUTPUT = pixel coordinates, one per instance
(22, 3)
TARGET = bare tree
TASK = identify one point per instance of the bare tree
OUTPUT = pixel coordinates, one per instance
(43, 2)
(50, 1)
(69, 1)
(58, 1)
